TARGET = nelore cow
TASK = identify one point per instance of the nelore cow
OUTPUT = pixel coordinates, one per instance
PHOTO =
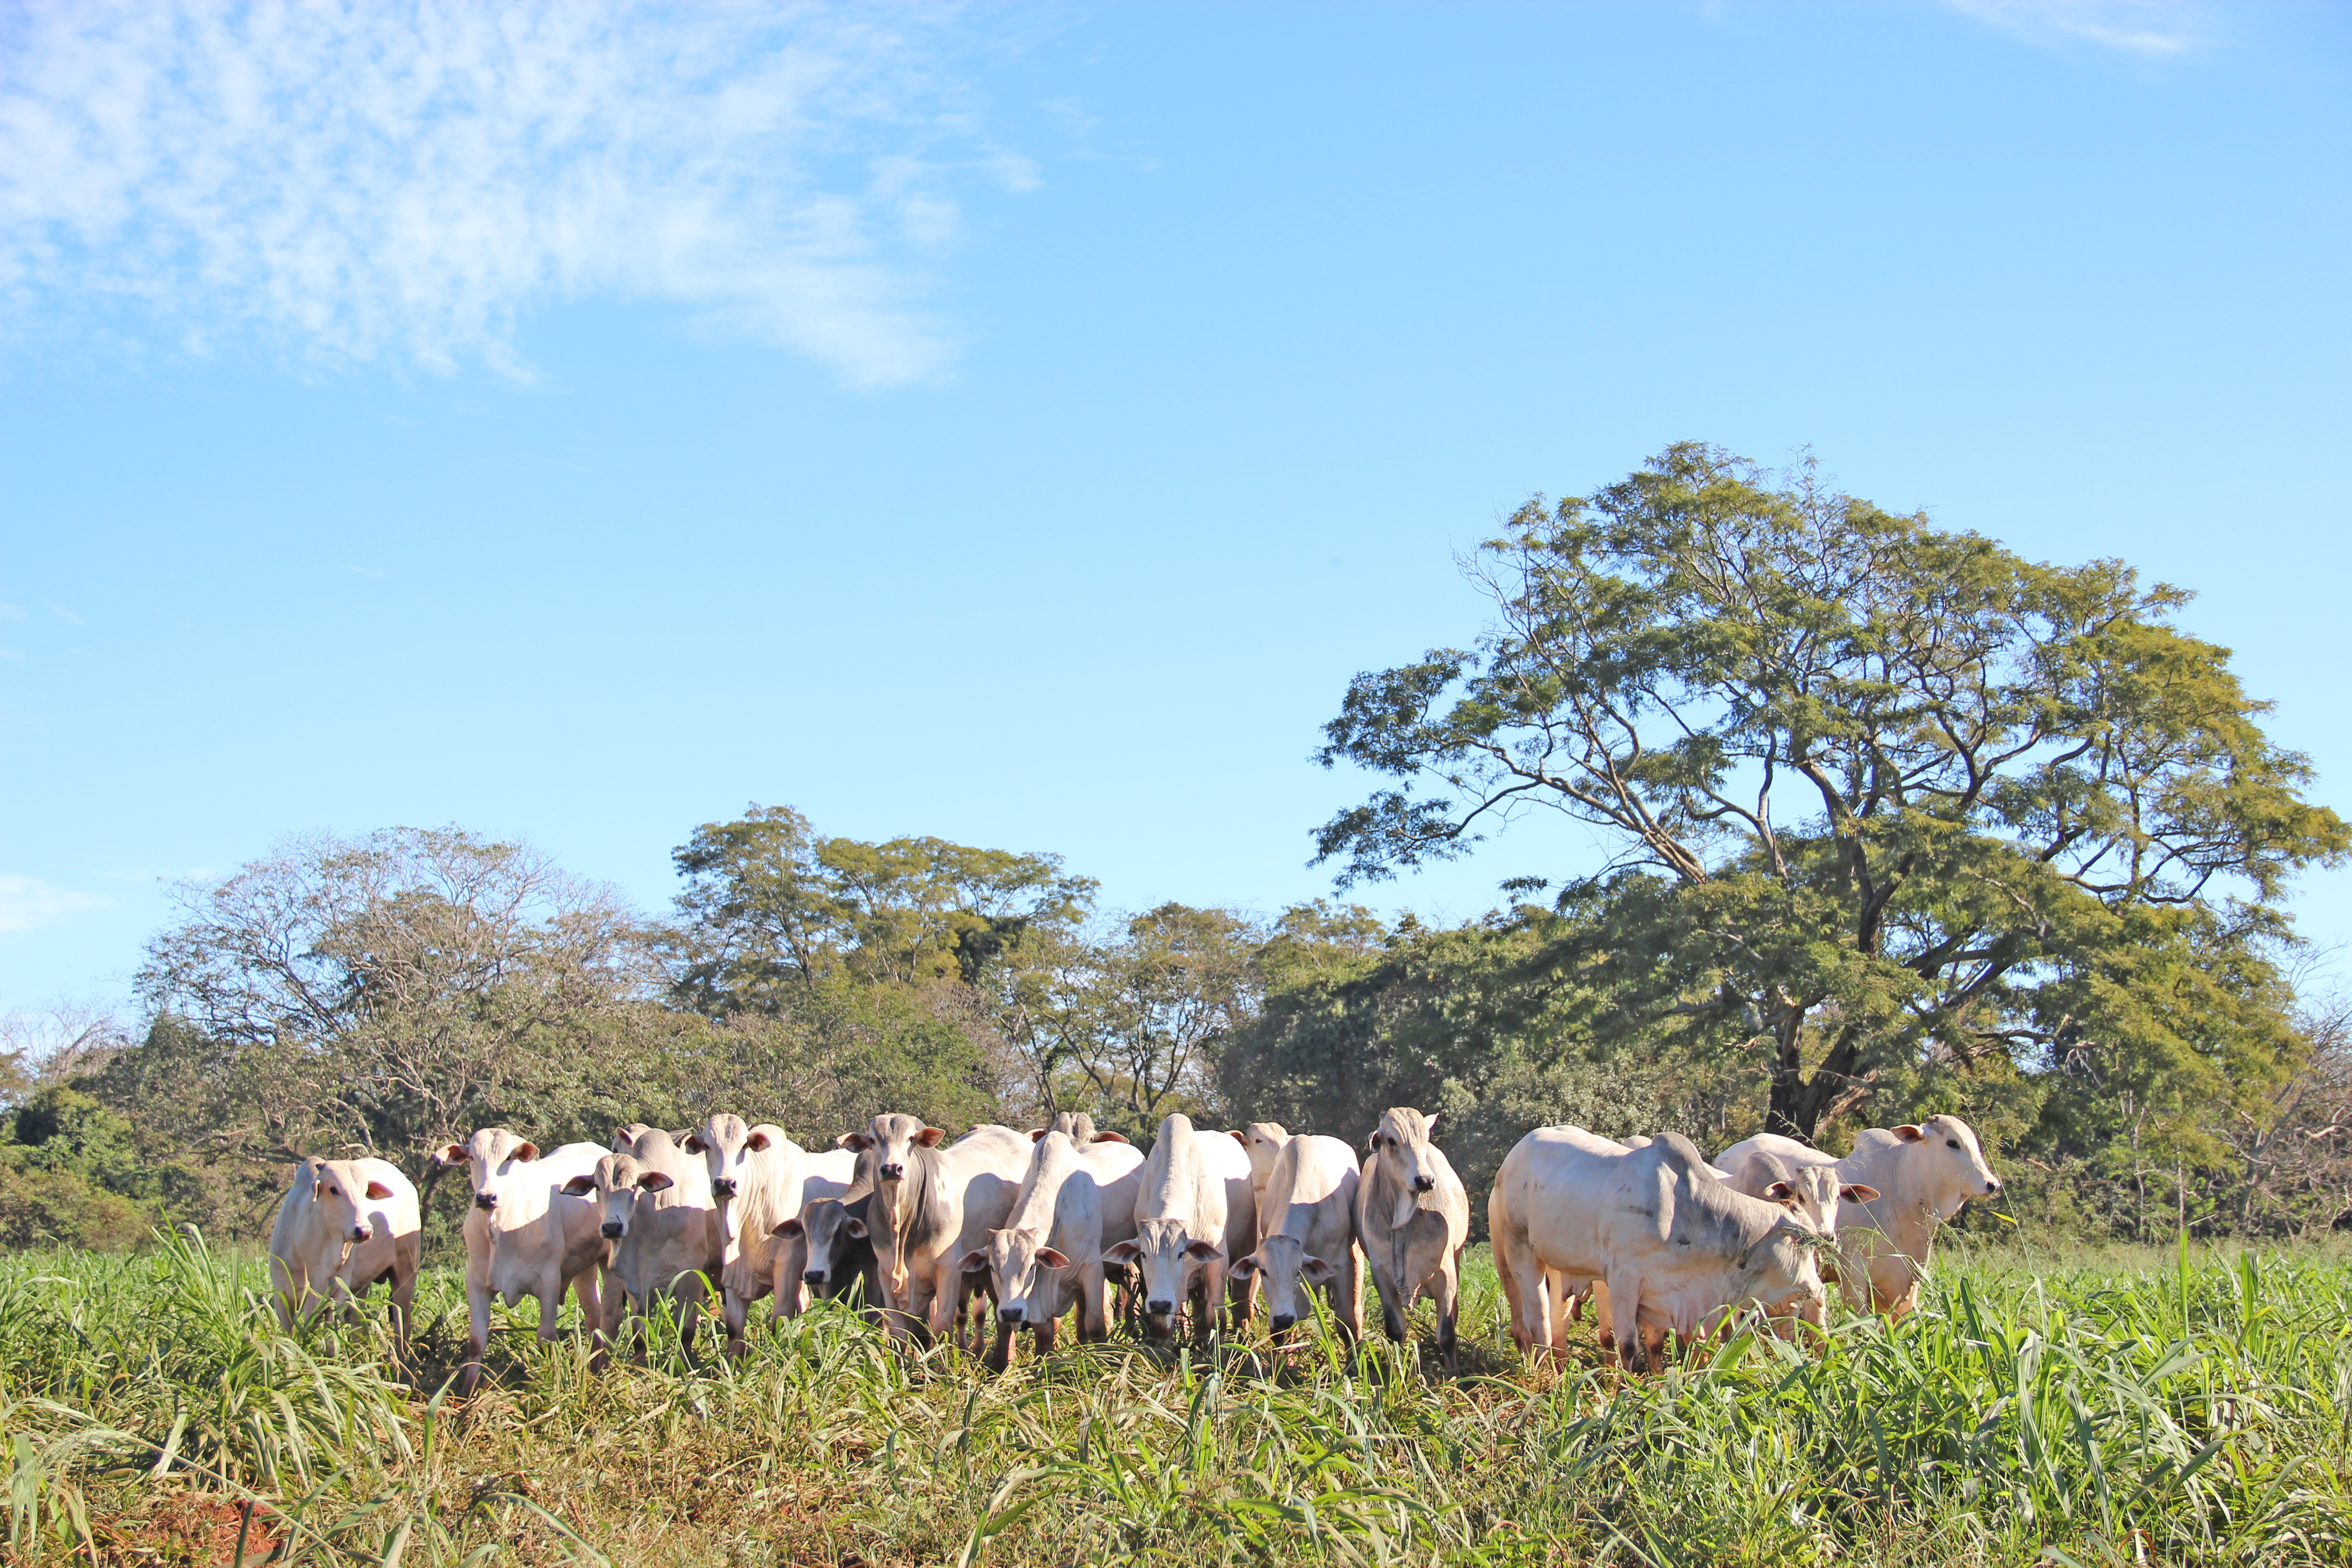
(1412, 1220)
(525, 1235)
(343, 1227)
(1920, 1175)
(1076, 1201)
(837, 1249)
(1675, 1249)
(1307, 1230)
(758, 1179)
(1195, 1214)
(657, 1213)
(931, 1206)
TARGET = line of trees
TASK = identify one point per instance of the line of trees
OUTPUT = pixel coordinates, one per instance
(1900, 822)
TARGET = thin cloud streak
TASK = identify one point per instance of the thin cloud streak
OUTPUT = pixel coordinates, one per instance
(29, 903)
(2152, 28)
(352, 181)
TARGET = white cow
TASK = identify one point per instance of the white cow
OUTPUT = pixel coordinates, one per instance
(1922, 1174)
(1195, 1214)
(1075, 1202)
(525, 1235)
(930, 1206)
(1412, 1219)
(1306, 1232)
(345, 1225)
(1676, 1250)
(758, 1179)
(1261, 1141)
(663, 1227)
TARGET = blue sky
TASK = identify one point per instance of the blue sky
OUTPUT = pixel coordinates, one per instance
(1017, 425)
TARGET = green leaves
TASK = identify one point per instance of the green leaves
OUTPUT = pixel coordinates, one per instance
(1876, 792)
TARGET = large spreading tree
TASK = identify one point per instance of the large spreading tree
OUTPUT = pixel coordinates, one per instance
(1873, 792)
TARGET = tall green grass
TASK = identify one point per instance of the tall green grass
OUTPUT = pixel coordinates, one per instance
(2174, 1409)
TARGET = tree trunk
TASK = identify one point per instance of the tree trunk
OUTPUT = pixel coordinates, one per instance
(1798, 1103)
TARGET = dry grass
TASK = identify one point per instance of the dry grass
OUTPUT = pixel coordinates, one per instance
(2141, 1408)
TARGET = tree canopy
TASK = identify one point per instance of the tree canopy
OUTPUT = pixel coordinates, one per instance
(1874, 792)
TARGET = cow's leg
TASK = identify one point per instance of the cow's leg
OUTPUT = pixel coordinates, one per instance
(1525, 1280)
(737, 1313)
(1093, 1317)
(1625, 1318)
(403, 1297)
(1241, 1299)
(1445, 1286)
(1047, 1332)
(478, 1331)
(1396, 1297)
(1348, 1297)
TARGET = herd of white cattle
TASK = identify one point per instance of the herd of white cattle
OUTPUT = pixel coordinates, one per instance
(930, 1231)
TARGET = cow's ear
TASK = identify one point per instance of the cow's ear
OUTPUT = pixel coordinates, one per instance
(579, 1186)
(449, 1154)
(1907, 1132)
(377, 1192)
(1036, 1134)
(1856, 1193)
(756, 1141)
(856, 1229)
(861, 1142)
(1125, 1252)
(973, 1262)
(1204, 1251)
(692, 1144)
(789, 1229)
(1108, 1138)
(1239, 1138)
(1429, 1123)
(654, 1181)
(1781, 1192)
(1053, 1259)
(1316, 1271)
(1246, 1266)
(930, 1137)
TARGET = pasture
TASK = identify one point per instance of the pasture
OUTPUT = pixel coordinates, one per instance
(2140, 1407)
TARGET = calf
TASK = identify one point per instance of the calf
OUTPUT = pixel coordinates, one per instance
(1412, 1218)
(838, 1249)
(1047, 1257)
(1307, 1233)
(663, 1227)
(1195, 1213)
(526, 1236)
(758, 1179)
(1676, 1248)
(345, 1225)
(934, 1204)
(1919, 1175)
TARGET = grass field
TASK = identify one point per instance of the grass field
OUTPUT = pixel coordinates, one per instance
(2149, 1407)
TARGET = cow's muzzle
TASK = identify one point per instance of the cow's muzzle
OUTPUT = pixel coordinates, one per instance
(893, 1173)
(724, 1188)
(486, 1202)
(816, 1278)
(1424, 1183)
(612, 1230)
(1160, 1309)
(1992, 1186)
(360, 1233)
(1011, 1314)
(1282, 1321)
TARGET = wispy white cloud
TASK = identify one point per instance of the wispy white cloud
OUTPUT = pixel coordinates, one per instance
(362, 179)
(29, 903)
(2148, 27)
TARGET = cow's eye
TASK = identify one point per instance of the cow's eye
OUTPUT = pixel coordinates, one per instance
(1951, 1142)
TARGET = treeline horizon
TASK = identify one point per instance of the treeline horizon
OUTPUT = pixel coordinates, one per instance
(1898, 822)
